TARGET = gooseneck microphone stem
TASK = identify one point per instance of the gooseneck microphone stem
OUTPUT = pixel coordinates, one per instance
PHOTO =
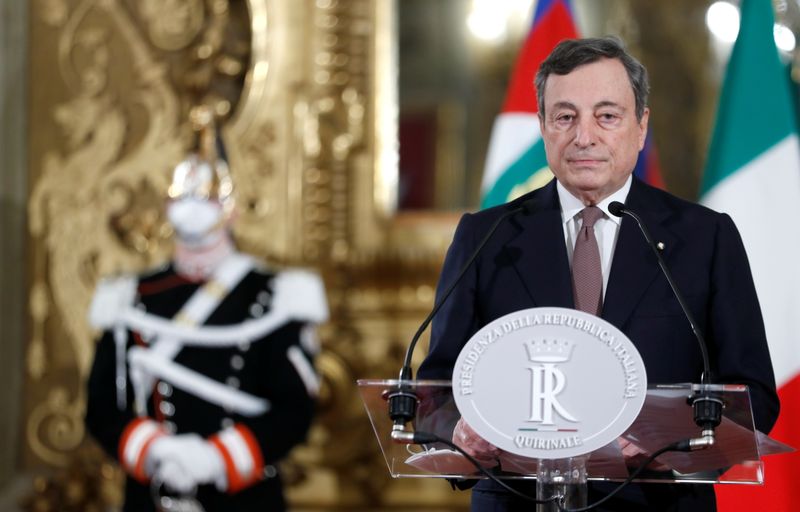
(707, 408)
(402, 400)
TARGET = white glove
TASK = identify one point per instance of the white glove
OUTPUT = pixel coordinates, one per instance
(177, 480)
(182, 462)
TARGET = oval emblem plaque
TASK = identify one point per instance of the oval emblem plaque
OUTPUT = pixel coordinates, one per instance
(549, 383)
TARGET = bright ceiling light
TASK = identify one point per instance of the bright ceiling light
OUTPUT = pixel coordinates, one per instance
(493, 20)
(487, 25)
(784, 38)
(722, 19)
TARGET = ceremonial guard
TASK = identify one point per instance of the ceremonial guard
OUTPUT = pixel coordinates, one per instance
(203, 378)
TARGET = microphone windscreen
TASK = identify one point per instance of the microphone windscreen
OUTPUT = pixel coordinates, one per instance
(616, 208)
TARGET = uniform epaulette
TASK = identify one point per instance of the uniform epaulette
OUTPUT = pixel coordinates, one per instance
(111, 296)
(301, 294)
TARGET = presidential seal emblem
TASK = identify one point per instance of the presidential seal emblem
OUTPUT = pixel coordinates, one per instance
(549, 383)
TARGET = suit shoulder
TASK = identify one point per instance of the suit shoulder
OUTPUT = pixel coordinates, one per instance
(681, 207)
(531, 201)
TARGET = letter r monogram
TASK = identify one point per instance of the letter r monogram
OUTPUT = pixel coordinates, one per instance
(547, 381)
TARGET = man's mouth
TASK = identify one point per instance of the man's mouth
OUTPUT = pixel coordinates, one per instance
(585, 161)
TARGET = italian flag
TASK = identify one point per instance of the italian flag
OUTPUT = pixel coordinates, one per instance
(753, 174)
(516, 161)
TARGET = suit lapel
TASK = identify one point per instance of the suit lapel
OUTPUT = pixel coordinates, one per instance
(635, 267)
(544, 271)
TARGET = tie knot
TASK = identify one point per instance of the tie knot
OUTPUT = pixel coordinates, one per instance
(590, 215)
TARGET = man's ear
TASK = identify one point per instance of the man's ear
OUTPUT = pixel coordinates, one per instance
(643, 127)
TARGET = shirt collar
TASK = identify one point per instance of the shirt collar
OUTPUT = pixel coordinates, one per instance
(571, 205)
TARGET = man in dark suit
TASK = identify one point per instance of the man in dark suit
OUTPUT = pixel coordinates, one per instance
(593, 116)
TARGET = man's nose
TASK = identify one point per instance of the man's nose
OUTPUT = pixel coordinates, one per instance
(585, 134)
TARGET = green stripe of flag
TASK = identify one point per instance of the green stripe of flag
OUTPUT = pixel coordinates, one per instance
(748, 121)
(515, 175)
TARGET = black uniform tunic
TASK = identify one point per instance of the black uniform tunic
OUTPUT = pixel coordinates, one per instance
(260, 368)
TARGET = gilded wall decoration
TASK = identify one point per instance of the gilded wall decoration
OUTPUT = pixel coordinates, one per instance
(88, 204)
(98, 193)
(310, 111)
(172, 24)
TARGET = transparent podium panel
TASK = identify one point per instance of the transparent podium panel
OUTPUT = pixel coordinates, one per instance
(666, 417)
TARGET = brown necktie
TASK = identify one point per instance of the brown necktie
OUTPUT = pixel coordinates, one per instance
(587, 276)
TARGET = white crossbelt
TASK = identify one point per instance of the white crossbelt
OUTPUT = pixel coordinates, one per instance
(194, 312)
(196, 383)
(207, 336)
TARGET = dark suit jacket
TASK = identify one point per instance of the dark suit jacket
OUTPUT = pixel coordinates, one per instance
(525, 265)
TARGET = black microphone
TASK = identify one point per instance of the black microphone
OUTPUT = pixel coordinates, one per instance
(402, 399)
(707, 408)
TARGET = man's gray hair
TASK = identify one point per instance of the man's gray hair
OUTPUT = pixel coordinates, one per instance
(573, 53)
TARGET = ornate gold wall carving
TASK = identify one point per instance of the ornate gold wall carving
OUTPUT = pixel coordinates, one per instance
(311, 140)
(93, 209)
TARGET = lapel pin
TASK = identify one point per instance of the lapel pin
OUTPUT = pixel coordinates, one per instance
(660, 246)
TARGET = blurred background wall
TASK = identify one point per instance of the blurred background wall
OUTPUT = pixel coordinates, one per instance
(356, 131)
(13, 198)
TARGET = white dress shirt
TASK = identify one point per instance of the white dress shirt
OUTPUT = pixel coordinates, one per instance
(606, 229)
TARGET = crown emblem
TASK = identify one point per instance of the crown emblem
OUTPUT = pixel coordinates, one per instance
(549, 350)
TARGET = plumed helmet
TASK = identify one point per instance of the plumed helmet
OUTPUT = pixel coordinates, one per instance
(204, 173)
